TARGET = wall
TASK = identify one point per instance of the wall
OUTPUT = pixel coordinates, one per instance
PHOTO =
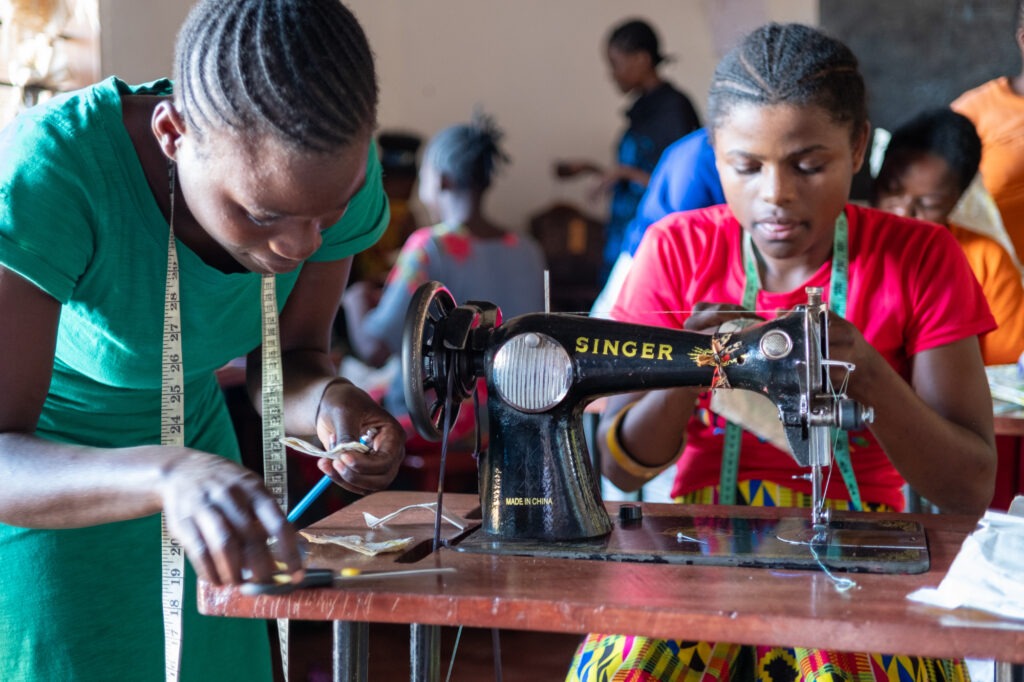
(922, 54)
(137, 37)
(537, 65)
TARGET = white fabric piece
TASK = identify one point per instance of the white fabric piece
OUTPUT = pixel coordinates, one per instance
(988, 571)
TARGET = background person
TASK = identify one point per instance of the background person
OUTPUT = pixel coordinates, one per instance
(929, 163)
(997, 110)
(659, 115)
(684, 179)
(475, 257)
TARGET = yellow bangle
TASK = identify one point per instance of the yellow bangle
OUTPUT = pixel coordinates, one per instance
(623, 458)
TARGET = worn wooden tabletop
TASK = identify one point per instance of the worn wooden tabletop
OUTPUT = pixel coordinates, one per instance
(743, 605)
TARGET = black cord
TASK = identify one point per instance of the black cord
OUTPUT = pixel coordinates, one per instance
(445, 434)
(476, 422)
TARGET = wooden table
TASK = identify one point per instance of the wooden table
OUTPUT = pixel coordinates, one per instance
(744, 605)
(1008, 419)
(1009, 428)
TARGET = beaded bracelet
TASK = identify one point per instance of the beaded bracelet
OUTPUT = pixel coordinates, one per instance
(623, 458)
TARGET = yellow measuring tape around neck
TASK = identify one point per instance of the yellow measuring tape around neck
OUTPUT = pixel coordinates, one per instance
(839, 285)
(275, 463)
(275, 471)
(172, 432)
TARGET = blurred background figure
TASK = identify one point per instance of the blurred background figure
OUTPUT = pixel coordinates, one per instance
(659, 115)
(684, 179)
(34, 51)
(929, 163)
(997, 110)
(398, 160)
(475, 257)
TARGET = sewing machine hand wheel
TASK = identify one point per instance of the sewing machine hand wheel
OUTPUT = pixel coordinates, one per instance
(432, 339)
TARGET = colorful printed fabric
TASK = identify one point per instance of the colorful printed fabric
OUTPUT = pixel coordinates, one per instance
(628, 658)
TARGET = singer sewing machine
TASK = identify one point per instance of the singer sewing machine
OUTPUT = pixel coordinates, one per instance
(538, 491)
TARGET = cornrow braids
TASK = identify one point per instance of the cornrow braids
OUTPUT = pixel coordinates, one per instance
(790, 64)
(300, 70)
(468, 153)
(944, 133)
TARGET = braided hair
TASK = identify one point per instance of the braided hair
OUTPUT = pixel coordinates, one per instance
(468, 153)
(636, 35)
(790, 64)
(298, 70)
(945, 134)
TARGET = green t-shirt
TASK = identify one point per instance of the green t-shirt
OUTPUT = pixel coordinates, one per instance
(78, 219)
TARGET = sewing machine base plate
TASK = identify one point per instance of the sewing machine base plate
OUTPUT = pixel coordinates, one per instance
(856, 545)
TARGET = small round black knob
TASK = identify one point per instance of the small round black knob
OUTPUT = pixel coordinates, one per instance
(630, 514)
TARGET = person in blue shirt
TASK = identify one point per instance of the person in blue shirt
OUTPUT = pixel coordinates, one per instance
(684, 179)
(659, 115)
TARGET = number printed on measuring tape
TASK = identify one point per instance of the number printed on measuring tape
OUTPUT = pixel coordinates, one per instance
(172, 432)
(275, 468)
(275, 471)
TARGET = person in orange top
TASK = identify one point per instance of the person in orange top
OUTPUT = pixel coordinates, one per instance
(928, 164)
(997, 110)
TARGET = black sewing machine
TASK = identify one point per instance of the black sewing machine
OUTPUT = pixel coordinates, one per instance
(538, 492)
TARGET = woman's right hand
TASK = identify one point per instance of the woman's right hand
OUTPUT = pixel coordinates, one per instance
(570, 168)
(707, 317)
(223, 517)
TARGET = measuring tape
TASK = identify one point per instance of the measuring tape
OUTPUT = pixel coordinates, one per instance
(172, 432)
(275, 463)
(838, 292)
(275, 466)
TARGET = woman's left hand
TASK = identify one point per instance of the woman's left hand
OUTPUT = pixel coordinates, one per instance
(346, 414)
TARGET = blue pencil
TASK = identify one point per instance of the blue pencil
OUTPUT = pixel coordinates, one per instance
(310, 497)
(323, 483)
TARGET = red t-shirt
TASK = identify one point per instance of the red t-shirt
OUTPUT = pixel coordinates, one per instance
(910, 289)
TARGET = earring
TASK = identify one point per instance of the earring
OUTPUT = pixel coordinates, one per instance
(169, 145)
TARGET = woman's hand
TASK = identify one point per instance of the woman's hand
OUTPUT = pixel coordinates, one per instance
(936, 430)
(708, 317)
(617, 174)
(570, 168)
(847, 344)
(223, 517)
(346, 413)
